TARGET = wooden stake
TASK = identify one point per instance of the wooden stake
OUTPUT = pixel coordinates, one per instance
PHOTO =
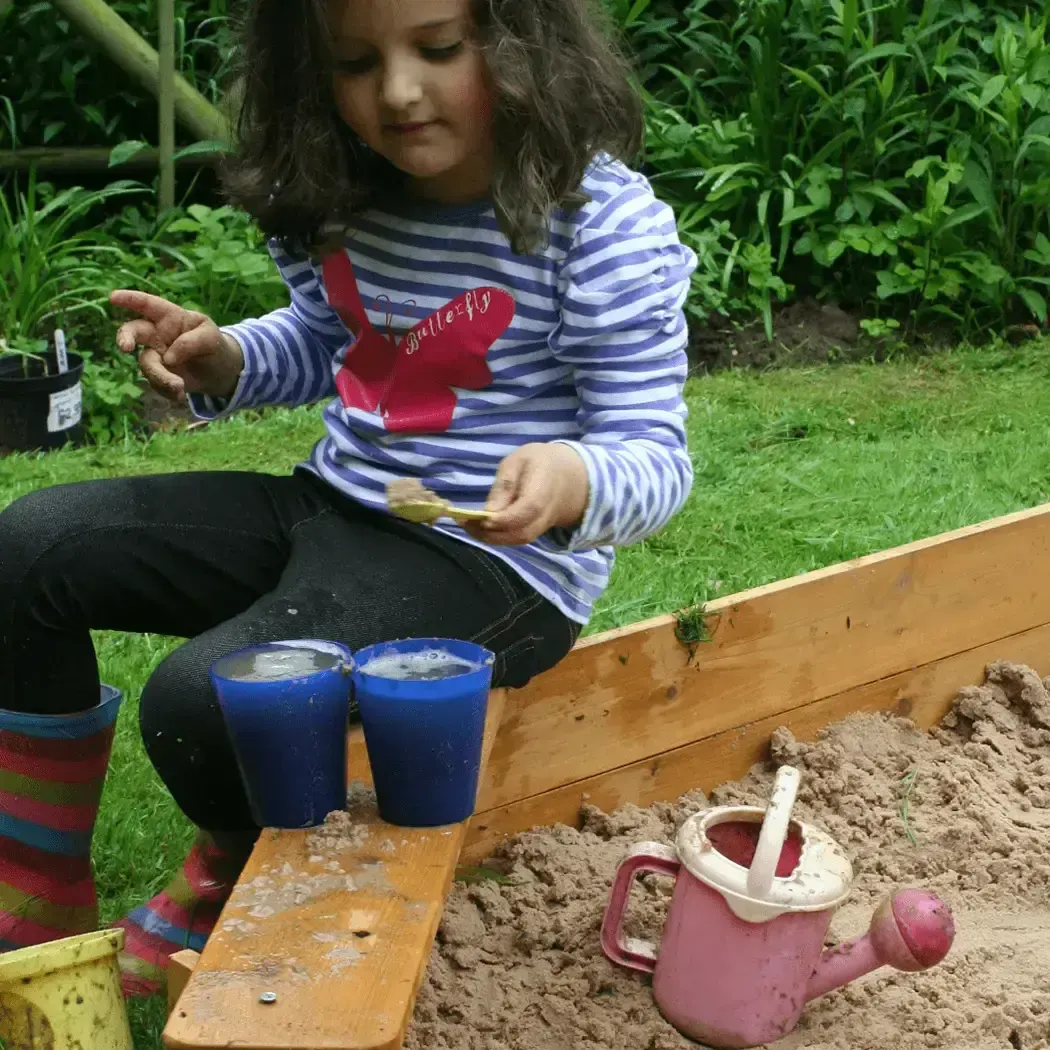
(166, 101)
(90, 158)
(100, 23)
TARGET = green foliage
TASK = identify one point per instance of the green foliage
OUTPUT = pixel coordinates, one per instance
(207, 259)
(111, 390)
(52, 268)
(65, 92)
(892, 155)
(57, 270)
(893, 152)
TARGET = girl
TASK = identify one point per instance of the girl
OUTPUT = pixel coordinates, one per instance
(493, 305)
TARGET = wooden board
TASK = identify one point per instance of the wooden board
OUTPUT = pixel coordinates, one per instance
(924, 695)
(180, 968)
(629, 716)
(340, 933)
(623, 697)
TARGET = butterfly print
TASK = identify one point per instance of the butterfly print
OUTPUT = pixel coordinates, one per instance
(409, 382)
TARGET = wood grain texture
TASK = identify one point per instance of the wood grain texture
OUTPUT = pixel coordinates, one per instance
(340, 935)
(625, 696)
(180, 966)
(923, 694)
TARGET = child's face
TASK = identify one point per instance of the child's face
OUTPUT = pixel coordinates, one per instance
(411, 82)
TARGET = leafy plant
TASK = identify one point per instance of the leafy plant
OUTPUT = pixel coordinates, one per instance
(56, 269)
(208, 259)
(112, 391)
(65, 88)
(880, 327)
(888, 154)
(51, 264)
(27, 350)
(855, 150)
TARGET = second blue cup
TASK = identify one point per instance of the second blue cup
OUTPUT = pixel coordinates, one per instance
(287, 710)
(423, 703)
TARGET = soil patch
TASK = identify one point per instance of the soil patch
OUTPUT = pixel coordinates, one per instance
(805, 332)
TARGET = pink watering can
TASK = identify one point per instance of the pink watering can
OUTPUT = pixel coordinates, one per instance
(742, 950)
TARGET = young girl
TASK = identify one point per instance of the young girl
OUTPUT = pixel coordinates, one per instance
(492, 304)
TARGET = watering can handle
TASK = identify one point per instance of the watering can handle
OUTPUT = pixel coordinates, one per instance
(631, 952)
(774, 831)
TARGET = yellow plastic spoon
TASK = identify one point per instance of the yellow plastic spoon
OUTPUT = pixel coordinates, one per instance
(413, 501)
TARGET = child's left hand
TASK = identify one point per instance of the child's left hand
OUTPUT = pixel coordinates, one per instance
(537, 488)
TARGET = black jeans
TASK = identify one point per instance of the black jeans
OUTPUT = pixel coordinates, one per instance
(228, 560)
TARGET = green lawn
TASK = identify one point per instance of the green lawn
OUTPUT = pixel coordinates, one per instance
(794, 470)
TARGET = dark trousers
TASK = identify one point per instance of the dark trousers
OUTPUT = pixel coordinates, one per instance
(228, 560)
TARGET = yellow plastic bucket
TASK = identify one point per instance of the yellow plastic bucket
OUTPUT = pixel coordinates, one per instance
(64, 995)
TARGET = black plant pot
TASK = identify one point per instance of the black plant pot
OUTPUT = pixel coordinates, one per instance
(38, 409)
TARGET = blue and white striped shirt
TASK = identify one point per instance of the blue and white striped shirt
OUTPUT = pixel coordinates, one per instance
(445, 352)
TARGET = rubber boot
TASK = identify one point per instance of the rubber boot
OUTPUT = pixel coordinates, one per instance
(183, 914)
(52, 770)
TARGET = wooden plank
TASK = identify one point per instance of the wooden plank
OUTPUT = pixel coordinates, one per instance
(166, 102)
(923, 694)
(339, 934)
(180, 966)
(91, 158)
(101, 24)
(627, 695)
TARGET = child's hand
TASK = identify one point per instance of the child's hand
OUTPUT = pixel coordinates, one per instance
(185, 353)
(537, 488)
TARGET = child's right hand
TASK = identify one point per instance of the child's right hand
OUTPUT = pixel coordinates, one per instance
(185, 353)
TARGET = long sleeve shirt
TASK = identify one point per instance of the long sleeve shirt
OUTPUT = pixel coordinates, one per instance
(442, 351)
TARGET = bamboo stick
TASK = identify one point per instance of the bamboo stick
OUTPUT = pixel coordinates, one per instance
(100, 23)
(166, 101)
(91, 159)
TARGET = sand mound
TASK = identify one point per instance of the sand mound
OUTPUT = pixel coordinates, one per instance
(963, 810)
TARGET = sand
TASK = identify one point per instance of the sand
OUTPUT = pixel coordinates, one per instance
(963, 810)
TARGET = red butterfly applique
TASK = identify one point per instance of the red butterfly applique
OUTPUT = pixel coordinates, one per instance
(409, 382)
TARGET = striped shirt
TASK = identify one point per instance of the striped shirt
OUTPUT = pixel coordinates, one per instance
(442, 352)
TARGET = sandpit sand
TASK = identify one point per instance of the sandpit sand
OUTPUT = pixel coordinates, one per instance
(518, 967)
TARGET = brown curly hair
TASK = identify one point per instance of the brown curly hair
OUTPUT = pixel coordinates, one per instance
(298, 168)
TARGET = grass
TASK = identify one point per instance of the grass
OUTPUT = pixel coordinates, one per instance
(794, 470)
(907, 786)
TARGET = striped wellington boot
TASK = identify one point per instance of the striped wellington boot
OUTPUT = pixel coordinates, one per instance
(52, 769)
(181, 916)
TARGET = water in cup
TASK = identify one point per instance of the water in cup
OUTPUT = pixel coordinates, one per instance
(426, 666)
(423, 704)
(275, 665)
(286, 706)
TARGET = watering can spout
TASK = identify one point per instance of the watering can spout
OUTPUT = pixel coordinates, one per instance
(912, 930)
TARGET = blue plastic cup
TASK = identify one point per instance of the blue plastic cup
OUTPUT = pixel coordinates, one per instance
(287, 711)
(424, 734)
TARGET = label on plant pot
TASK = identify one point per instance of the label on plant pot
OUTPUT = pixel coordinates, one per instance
(65, 410)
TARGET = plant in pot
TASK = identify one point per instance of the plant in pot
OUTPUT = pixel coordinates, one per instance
(40, 404)
(52, 266)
